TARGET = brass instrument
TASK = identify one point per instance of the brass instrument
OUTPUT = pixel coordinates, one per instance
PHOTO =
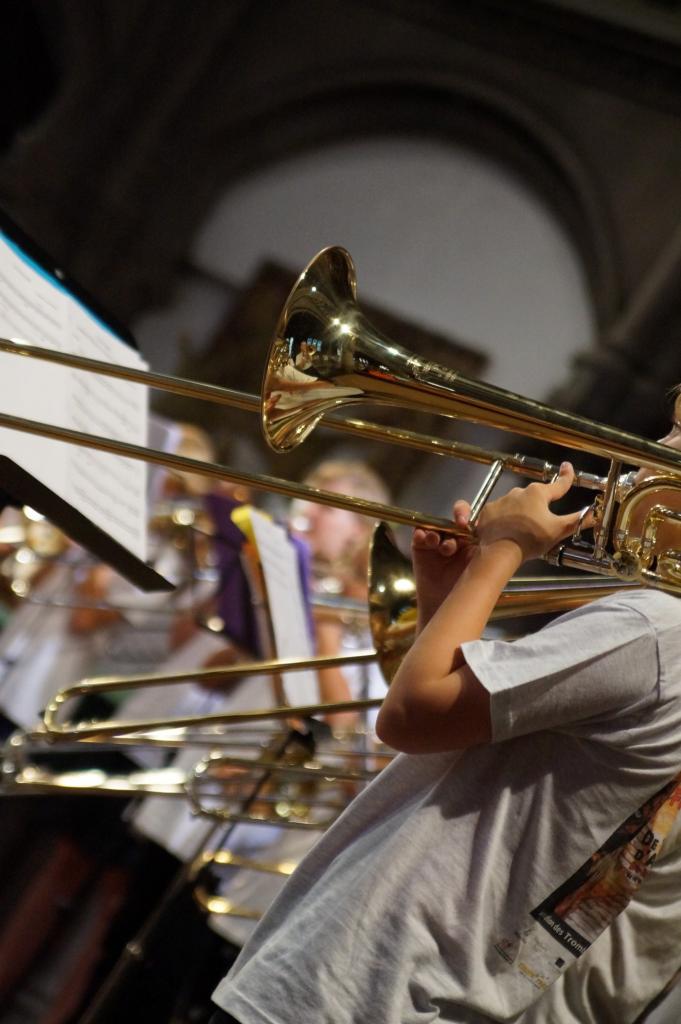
(295, 798)
(353, 364)
(527, 466)
(218, 787)
(181, 463)
(21, 775)
(392, 620)
(28, 548)
(214, 904)
(54, 730)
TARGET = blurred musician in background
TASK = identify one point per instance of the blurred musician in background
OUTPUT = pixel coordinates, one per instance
(150, 625)
(338, 541)
(78, 618)
(338, 545)
(138, 638)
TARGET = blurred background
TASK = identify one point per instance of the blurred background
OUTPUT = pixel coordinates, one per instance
(506, 177)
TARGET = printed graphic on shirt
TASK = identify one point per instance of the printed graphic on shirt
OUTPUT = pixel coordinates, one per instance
(574, 915)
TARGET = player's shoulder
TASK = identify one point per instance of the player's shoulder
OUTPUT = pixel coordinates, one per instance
(661, 609)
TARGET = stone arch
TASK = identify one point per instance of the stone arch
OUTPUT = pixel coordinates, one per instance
(121, 216)
(439, 105)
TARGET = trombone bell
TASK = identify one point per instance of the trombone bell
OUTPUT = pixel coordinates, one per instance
(345, 360)
(320, 313)
(326, 355)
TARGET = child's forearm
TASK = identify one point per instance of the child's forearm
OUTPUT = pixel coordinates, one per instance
(462, 616)
(426, 609)
(434, 702)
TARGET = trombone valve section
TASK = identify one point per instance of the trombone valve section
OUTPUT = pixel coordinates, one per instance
(348, 361)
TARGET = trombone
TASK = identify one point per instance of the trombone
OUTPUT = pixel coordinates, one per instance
(217, 787)
(55, 731)
(214, 788)
(20, 774)
(353, 363)
(295, 796)
(392, 622)
(217, 904)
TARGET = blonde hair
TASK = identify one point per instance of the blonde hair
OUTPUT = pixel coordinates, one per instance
(195, 443)
(359, 480)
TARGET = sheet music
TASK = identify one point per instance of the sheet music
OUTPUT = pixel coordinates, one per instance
(279, 562)
(107, 489)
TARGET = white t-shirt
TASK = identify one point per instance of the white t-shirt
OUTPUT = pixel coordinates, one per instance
(631, 962)
(39, 655)
(441, 893)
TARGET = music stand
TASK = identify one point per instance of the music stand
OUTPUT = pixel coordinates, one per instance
(60, 481)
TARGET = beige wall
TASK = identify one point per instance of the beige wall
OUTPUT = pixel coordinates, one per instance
(438, 234)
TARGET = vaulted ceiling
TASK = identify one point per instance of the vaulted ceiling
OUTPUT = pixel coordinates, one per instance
(124, 120)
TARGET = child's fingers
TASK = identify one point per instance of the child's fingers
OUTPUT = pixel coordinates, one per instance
(571, 521)
(427, 539)
(461, 512)
(562, 483)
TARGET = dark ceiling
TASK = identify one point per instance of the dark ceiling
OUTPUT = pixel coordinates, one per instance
(124, 120)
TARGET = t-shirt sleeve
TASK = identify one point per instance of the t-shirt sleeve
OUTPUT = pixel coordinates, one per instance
(601, 659)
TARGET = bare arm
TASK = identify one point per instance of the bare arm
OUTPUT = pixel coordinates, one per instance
(435, 702)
